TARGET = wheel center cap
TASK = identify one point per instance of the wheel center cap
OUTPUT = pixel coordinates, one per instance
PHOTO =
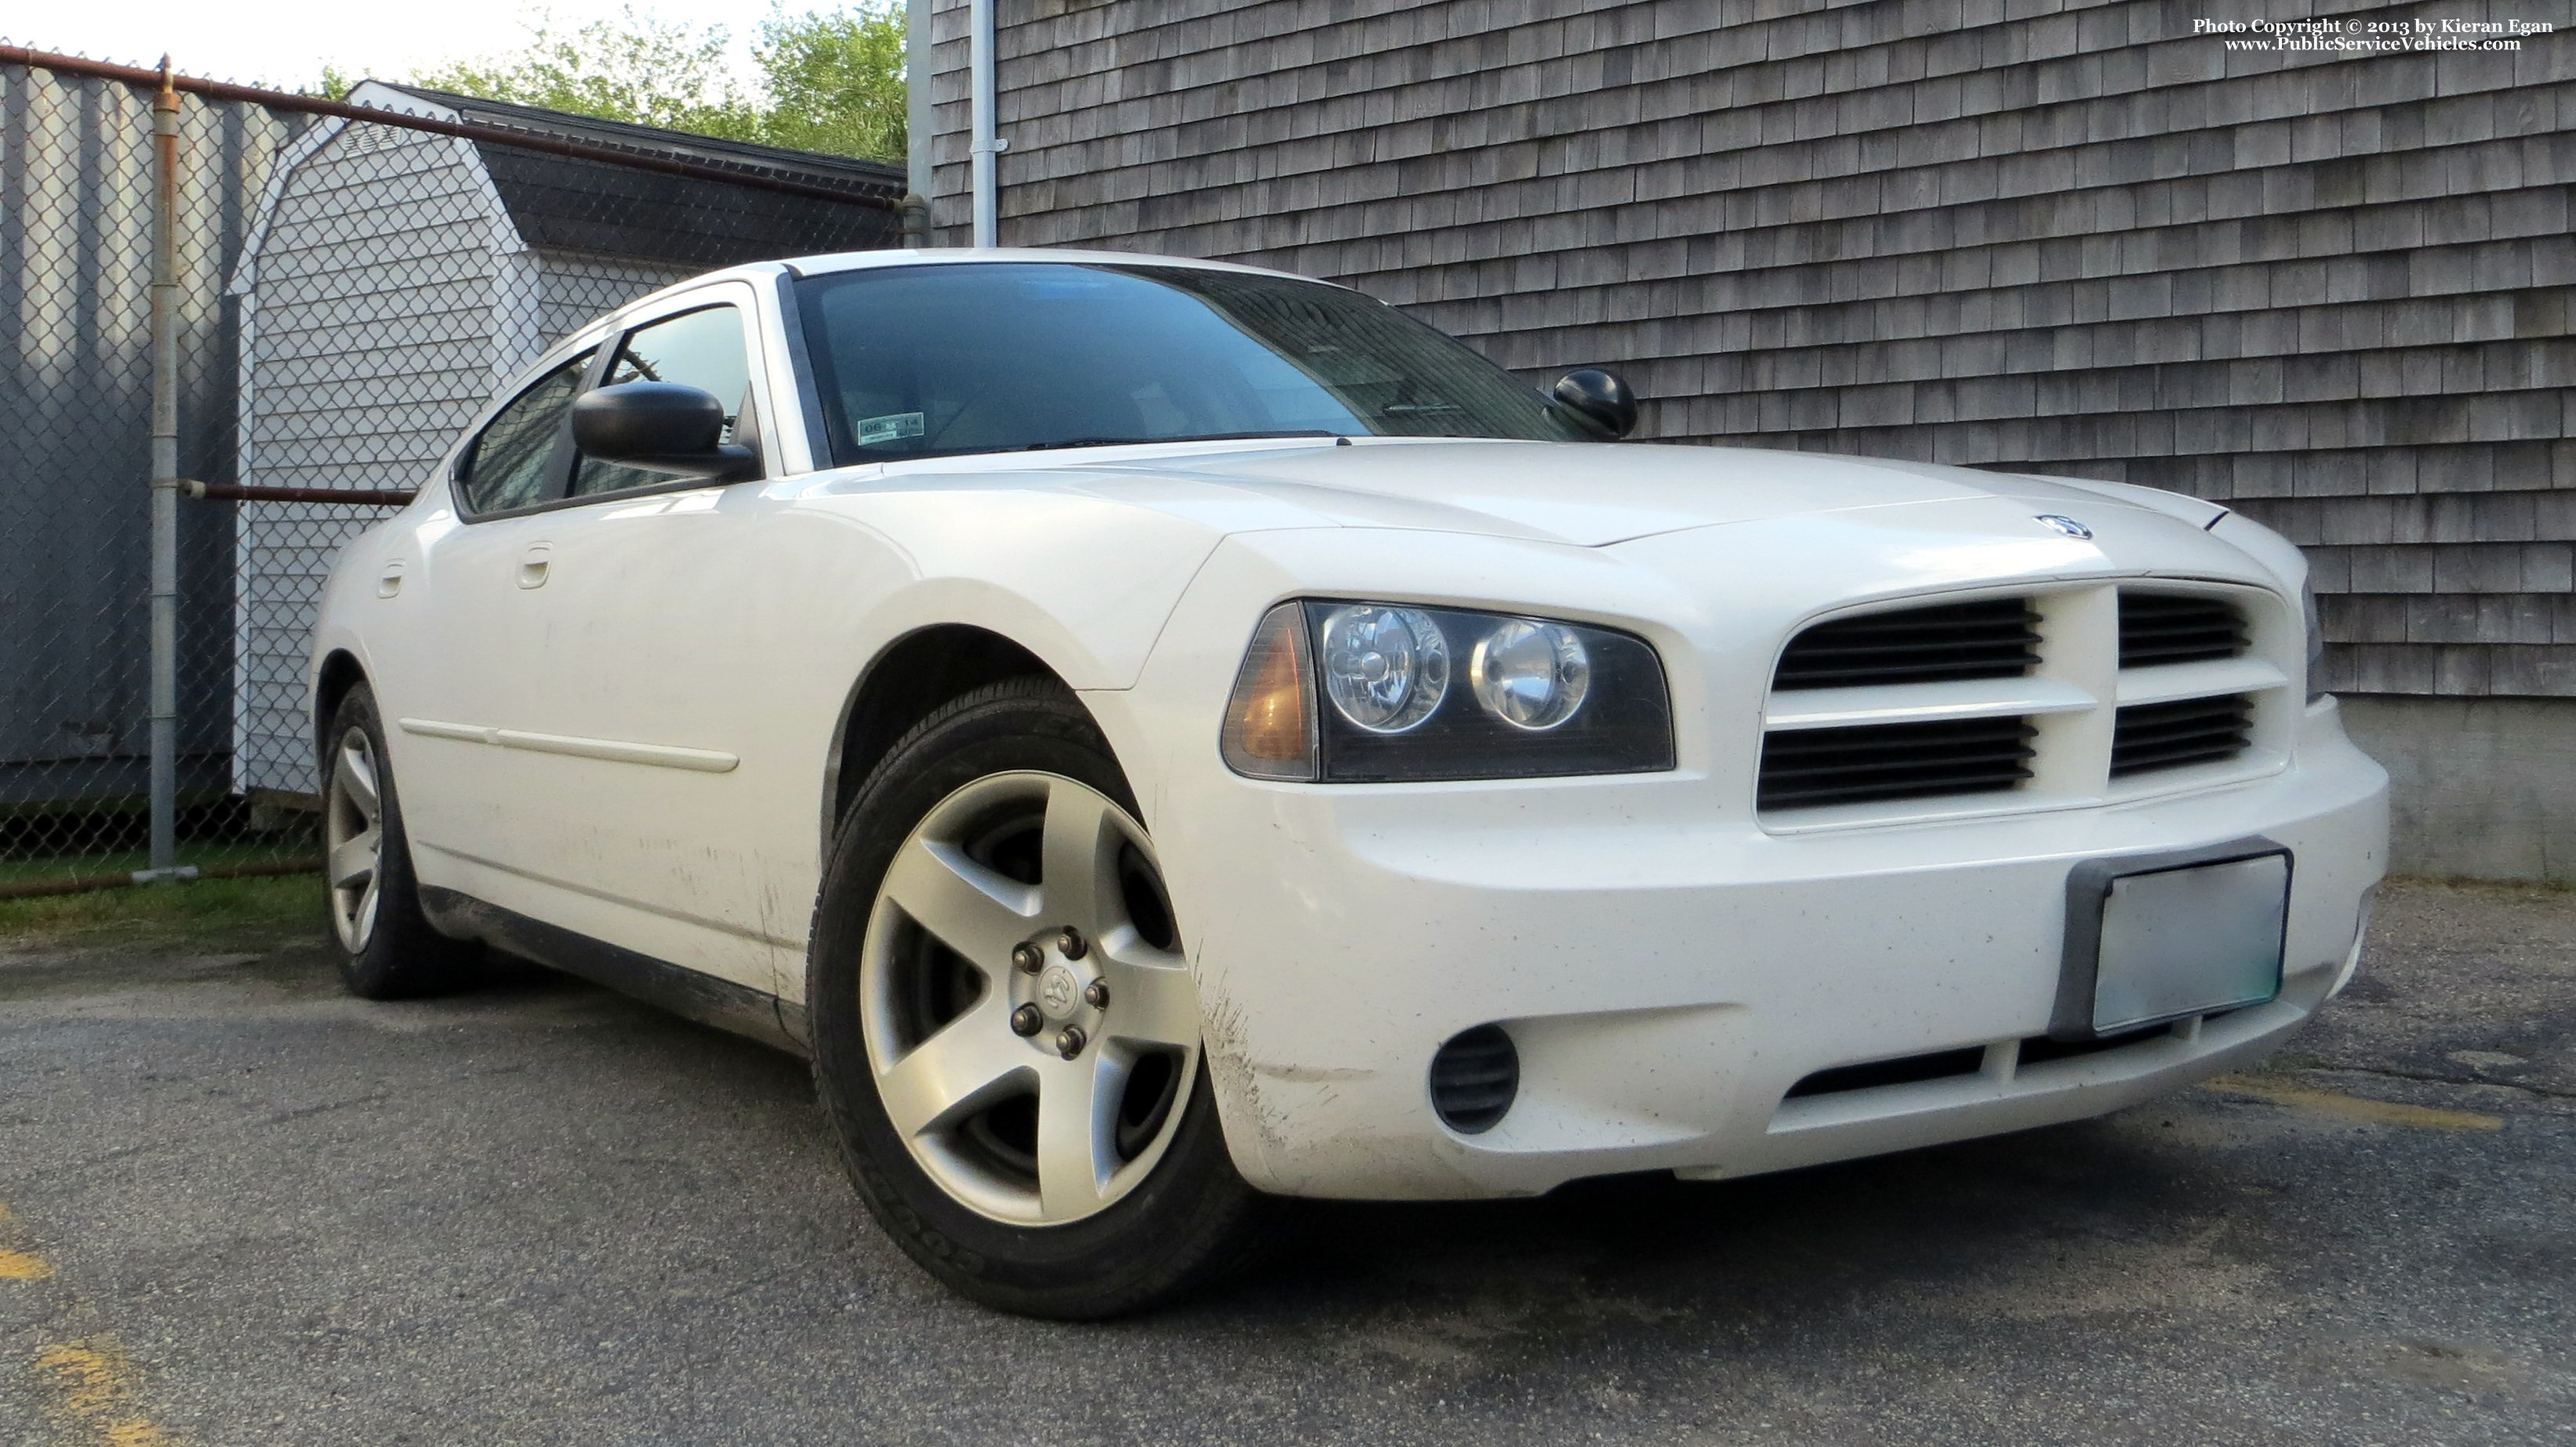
(1058, 992)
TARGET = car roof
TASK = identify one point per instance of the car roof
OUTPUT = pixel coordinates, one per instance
(967, 255)
(846, 261)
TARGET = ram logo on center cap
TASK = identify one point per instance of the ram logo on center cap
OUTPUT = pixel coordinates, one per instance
(2066, 525)
(1056, 991)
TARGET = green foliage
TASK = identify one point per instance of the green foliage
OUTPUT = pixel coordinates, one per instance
(835, 80)
(634, 68)
(831, 81)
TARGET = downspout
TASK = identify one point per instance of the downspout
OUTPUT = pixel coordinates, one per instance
(917, 122)
(985, 149)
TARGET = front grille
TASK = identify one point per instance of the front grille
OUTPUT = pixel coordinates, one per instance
(2177, 628)
(1806, 767)
(2171, 735)
(2039, 1049)
(1906, 1070)
(1968, 1061)
(1474, 1077)
(1993, 639)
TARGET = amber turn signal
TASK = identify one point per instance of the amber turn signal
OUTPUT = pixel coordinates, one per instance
(1270, 722)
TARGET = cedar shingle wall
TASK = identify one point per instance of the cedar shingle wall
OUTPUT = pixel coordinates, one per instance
(2058, 237)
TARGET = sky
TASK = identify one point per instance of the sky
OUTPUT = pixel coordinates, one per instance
(288, 42)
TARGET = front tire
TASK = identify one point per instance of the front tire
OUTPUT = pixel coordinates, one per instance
(1006, 1035)
(387, 949)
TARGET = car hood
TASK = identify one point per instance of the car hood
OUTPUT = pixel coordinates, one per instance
(1585, 495)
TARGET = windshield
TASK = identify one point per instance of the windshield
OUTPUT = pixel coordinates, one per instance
(924, 361)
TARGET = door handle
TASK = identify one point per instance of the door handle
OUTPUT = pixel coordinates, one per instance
(533, 564)
(390, 581)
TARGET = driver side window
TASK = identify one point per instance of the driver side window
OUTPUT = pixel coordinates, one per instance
(511, 462)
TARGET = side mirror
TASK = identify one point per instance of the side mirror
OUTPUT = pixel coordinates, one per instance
(1598, 399)
(661, 426)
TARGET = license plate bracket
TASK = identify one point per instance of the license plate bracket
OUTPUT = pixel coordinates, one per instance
(2154, 938)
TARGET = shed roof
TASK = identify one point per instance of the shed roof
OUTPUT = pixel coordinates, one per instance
(562, 203)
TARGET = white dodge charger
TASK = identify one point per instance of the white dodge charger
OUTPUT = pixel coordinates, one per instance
(1162, 736)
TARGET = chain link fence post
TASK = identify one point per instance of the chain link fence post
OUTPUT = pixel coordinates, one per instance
(164, 686)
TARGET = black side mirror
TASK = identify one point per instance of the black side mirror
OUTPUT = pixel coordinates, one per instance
(661, 426)
(1599, 399)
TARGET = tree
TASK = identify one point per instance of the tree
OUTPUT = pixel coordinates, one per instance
(830, 81)
(835, 80)
(634, 68)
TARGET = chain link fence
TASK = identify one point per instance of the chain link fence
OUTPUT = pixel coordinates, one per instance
(353, 281)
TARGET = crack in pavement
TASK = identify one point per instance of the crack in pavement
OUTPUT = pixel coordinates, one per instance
(2429, 1078)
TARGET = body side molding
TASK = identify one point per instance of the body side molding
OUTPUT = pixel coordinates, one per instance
(668, 756)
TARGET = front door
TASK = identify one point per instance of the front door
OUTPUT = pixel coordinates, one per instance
(619, 722)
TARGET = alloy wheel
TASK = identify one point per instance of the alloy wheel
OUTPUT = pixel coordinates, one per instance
(353, 838)
(1030, 1022)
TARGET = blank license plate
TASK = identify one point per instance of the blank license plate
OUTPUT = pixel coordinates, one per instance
(2190, 941)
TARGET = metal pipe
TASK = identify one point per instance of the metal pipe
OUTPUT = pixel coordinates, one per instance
(984, 149)
(235, 492)
(883, 200)
(164, 714)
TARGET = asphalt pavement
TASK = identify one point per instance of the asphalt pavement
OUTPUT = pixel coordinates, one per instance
(241, 1208)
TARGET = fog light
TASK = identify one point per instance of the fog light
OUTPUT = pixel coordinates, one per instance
(1473, 1079)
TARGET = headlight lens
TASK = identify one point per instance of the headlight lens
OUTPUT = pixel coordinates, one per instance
(1360, 693)
(1385, 669)
(1530, 675)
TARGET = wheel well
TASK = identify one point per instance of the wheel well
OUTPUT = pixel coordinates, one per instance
(907, 683)
(340, 673)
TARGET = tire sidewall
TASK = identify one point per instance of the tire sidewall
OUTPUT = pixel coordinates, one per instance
(1131, 1252)
(403, 956)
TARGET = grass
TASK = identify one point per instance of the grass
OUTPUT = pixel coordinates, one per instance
(204, 856)
(204, 906)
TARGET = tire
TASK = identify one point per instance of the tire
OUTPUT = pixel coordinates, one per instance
(1033, 1170)
(386, 947)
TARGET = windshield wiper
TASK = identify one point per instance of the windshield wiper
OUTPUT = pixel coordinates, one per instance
(1196, 437)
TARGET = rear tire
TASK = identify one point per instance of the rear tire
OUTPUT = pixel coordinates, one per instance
(387, 948)
(1058, 1152)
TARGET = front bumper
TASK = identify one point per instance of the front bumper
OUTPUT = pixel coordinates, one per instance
(1667, 979)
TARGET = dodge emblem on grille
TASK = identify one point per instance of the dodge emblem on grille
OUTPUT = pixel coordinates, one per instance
(2066, 525)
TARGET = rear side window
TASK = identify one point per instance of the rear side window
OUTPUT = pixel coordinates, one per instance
(510, 463)
(702, 349)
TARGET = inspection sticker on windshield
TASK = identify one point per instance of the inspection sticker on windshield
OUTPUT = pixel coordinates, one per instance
(890, 427)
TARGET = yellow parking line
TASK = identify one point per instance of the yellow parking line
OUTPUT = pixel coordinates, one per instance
(93, 1391)
(90, 1385)
(21, 1265)
(2379, 1112)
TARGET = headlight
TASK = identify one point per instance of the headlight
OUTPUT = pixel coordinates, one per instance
(1385, 669)
(1531, 675)
(1361, 693)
